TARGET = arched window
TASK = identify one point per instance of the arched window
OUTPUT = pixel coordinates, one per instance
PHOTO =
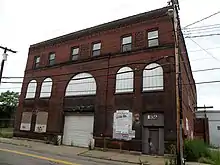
(46, 88)
(124, 80)
(153, 77)
(81, 84)
(31, 89)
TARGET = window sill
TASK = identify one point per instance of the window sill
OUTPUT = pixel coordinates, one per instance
(123, 93)
(153, 90)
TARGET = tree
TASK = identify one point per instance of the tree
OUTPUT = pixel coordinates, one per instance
(8, 103)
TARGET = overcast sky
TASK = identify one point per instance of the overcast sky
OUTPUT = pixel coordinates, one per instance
(25, 22)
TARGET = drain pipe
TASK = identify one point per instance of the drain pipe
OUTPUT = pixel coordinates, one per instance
(106, 102)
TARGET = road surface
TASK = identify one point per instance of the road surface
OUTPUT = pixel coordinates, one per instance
(17, 155)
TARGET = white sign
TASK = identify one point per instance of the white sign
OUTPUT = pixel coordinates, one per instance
(25, 127)
(40, 128)
(122, 125)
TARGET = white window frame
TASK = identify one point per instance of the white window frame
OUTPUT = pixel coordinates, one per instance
(31, 89)
(124, 81)
(36, 61)
(74, 53)
(127, 40)
(153, 78)
(153, 36)
(46, 88)
(80, 85)
(96, 47)
(52, 57)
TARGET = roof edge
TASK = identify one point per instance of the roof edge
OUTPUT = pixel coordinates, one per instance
(105, 26)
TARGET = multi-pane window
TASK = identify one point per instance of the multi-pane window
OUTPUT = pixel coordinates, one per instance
(96, 49)
(75, 53)
(153, 39)
(153, 77)
(126, 44)
(46, 88)
(31, 89)
(52, 58)
(81, 84)
(36, 61)
(124, 80)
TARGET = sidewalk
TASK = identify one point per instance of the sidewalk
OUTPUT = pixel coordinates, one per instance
(40, 146)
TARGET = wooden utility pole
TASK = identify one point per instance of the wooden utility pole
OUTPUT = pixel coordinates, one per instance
(179, 125)
(4, 59)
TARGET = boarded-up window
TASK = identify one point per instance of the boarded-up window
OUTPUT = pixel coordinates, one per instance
(31, 89)
(81, 84)
(153, 77)
(46, 88)
(41, 122)
(124, 80)
(26, 121)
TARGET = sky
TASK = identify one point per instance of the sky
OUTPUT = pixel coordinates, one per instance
(26, 22)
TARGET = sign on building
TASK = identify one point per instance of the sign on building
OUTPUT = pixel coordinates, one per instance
(122, 125)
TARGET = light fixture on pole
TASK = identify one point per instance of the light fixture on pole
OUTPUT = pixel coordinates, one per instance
(4, 58)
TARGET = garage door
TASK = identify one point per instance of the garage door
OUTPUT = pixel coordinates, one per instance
(78, 130)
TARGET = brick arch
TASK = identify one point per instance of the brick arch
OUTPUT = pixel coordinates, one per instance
(46, 87)
(81, 84)
(153, 78)
(31, 89)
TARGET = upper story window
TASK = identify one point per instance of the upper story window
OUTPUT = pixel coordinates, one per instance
(75, 53)
(36, 61)
(126, 44)
(153, 77)
(31, 89)
(52, 58)
(80, 85)
(96, 49)
(153, 39)
(46, 88)
(124, 80)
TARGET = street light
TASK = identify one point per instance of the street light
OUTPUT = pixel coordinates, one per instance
(4, 58)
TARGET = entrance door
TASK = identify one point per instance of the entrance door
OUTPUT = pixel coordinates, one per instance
(78, 130)
(154, 137)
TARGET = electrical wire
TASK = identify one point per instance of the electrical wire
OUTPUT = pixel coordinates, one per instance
(202, 19)
(205, 50)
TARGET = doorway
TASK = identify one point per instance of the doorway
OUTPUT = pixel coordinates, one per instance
(154, 138)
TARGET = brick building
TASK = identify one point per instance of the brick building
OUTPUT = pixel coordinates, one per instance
(74, 84)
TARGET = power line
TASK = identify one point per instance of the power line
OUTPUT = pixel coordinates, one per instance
(205, 35)
(205, 50)
(202, 19)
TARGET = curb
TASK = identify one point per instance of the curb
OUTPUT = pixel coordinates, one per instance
(104, 158)
(16, 144)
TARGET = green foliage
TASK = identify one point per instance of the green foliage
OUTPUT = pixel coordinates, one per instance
(215, 156)
(8, 103)
(205, 160)
(6, 132)
(195, 149)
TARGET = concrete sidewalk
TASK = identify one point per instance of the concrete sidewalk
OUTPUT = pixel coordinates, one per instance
(66, 151)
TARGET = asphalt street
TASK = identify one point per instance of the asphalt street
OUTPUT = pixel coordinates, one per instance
(17, 155)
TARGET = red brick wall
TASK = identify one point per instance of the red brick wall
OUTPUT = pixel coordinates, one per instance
(137, 102)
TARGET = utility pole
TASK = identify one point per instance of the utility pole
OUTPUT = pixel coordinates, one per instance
(4, 59)
(179, 116)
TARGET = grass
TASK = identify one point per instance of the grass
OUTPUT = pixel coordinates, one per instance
(6, 132)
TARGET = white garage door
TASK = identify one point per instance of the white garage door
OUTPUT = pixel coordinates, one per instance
(78, 130)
